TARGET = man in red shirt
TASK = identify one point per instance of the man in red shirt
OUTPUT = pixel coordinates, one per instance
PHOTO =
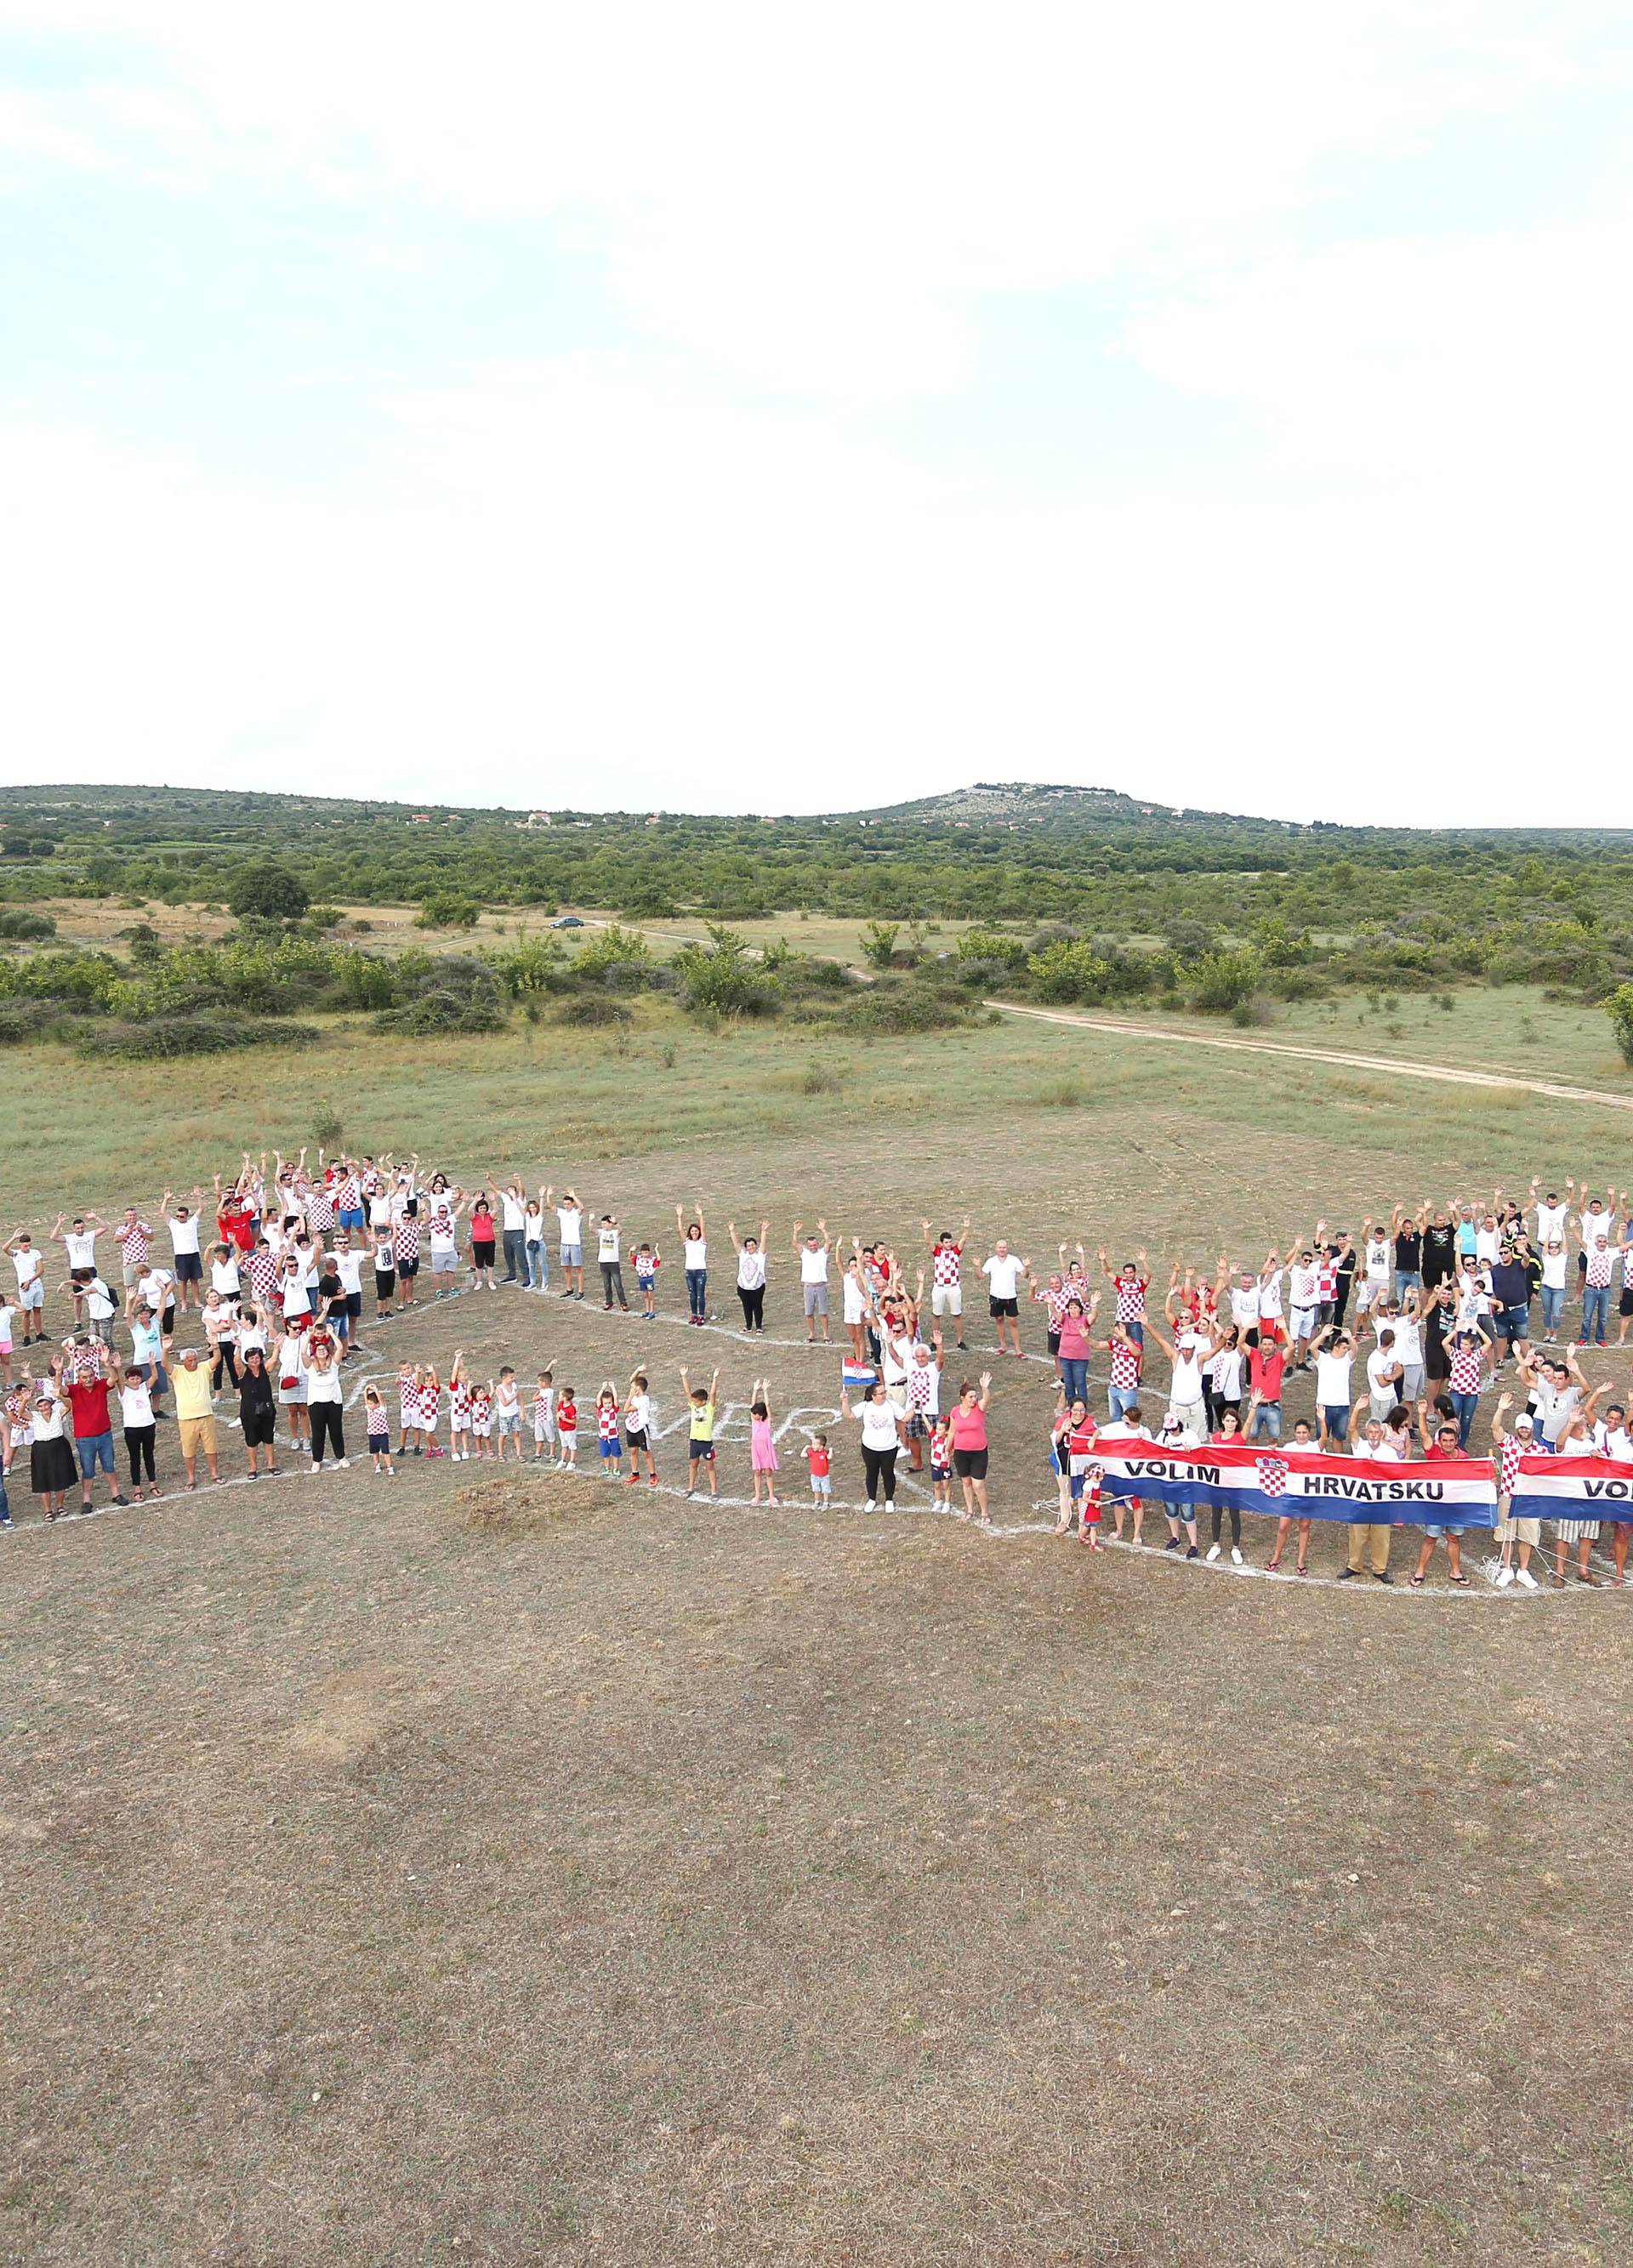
(1266, 1363)
(94, 1434)
(1440, 1441)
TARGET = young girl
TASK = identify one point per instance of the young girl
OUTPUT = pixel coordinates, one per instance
(567, 1430)
(458, 1409)
(762, 1442)
(695, 1260)
(408, 1408)
(646, 1266)
(544, 1418)
(638, 1430)
(607, 1429)
(482, 1421)
(941, 1466)
(821, 1463)
(1059, 1465)
(429, 1402)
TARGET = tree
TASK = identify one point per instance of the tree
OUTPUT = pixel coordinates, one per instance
(447, 909)
(1619, 1008)
(269, 891)
(878, 943)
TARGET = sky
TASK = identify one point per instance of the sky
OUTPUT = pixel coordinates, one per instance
(732, 407)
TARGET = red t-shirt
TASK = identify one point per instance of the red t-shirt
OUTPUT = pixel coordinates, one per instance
(87, 1398)
(968, 1428)
(1265, 1365)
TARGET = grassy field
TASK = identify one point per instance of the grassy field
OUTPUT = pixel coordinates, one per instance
(498, 1868)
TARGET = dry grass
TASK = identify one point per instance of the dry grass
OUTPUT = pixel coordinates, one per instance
(665, 1884)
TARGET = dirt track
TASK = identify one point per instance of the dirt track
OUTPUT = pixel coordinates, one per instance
(1445, 1072)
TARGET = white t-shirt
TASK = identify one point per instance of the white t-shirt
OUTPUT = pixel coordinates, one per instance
(1382, 1360)
(607, 1245)
(349, 1268)
(1378, 1260)
(878, 1420)
(1333, 1380)
(1187, 1387)
(813, 1265)
(1302, 1287)
(1227, 1369)
(1554, 1270)
(1550, 1223)
(1617, 1443)
(100, 1304)
(637, 1412)
(1003, 1272)
(1245, 1306)
(513, 1212)
(156, 1287)
(1270, 1296)
(752, 1270)
(324, 1385)
(694, 1253)
(1408, 1341)
(183, 1235)
(1376, 1453)
(135, 1406)
(27, 1264)
(80, 1247)
(225, 1277)
(569, 1219)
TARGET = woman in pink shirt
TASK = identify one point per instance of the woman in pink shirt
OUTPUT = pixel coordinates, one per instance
(967, 1427)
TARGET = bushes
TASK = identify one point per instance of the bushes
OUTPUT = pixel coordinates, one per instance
(25, 926)
(589, 1009)
(22, 1020)
(447, 909)
(1065, 971)
(459, 993)
(991, 944)
(168, 1036)
(1222, 981)
(1619, 1008)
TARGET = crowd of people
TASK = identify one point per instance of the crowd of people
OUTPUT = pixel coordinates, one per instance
(1400, 1328)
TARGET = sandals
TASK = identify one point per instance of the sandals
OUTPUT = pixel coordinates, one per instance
(1460, 1581)
(1301, 1569)
(1272, 1564)
(1417, 1582)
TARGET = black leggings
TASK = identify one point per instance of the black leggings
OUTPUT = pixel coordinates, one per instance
(226, 1358)
(880, 1465)
(753, 1307)
(139, 1444)
(1235, 1523)
(325, 1417)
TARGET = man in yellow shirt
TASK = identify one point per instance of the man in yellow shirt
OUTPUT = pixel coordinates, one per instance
(196, 1413)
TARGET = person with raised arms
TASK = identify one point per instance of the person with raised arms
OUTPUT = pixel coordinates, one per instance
(813, 1251)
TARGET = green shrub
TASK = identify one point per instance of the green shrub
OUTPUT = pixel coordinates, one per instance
(269, 890)
(447, 909)
(589, 1008)
(168, 1036)
(25, 925)
(1619, 1008)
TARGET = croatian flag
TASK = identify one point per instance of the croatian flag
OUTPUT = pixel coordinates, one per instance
(858, 1373)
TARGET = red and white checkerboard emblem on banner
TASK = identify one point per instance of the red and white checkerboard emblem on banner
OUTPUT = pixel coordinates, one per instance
(1272, 1476)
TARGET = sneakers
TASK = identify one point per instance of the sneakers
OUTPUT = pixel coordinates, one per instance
(1526, 1580)
(345, 1464)
(1236, 1555)
(1503, 1576)
(1213, 1551)
(870, 1505)
(1349, 1574)
(1172, 1543)
(1191, 1551)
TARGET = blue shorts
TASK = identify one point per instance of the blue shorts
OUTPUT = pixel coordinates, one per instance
(701, 1453)
(613, 1448)
(645, 1283)
(350, 1217)
(96, 1451)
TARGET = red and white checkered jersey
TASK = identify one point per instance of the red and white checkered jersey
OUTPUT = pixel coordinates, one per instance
(944, 1265)
(1130, 1299)
(408, 1239)
(133, 1237)
(1125, 1359)
(1508, 1463)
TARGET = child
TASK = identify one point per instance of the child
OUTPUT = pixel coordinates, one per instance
(429, 1403)
(941, 1465)
(408, 1408)
(646, 1266)
(458, 1409)
(481, 1419)
(379, 1431)
(762, 1443)
(606, 1427)
(1085, 1476)
(507, 1412)
(638, 1430)
(544, 1417)
(700, 1432)
(821, 1463)
(567, 1430)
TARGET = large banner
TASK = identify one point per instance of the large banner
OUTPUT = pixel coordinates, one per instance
(1266, 1478)
(1573, 1488)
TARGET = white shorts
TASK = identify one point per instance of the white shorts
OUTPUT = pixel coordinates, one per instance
(947, 1299)
(855, 1306)
(542, 1431)
(33, 1295)
(1303, 1322)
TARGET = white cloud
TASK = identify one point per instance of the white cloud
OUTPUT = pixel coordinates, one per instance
(608, 580)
